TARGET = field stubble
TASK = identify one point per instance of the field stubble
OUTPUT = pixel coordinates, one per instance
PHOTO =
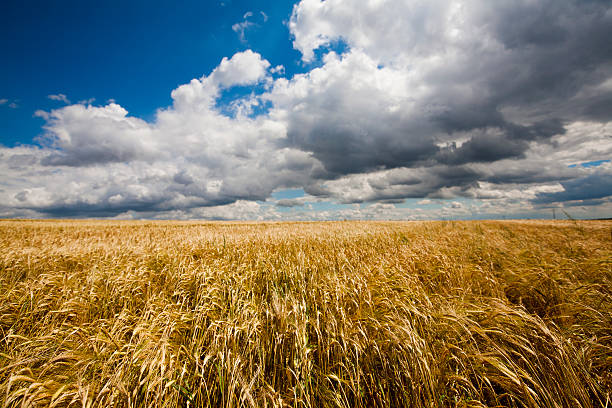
(422, 314)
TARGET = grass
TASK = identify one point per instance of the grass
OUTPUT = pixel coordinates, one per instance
(342, 314)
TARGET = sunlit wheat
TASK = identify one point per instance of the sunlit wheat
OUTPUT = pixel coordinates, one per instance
(343, 314)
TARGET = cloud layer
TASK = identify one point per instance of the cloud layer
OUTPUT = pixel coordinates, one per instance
(489, 102)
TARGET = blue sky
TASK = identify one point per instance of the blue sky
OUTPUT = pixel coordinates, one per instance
(307, 109)
(135, 52)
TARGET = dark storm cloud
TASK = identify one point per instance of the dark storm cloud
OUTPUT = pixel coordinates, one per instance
(558, 48)
(290, 202)
(449, 181)
(345, 129)
(508, 141)
(483, 148)
(89, 156)
(525, 175)
(467, 117)
(317, 190)
(102, 208)
(107, 207)
(552, 52)
(598, 107)
(342, 151)
(183, 178)
(591, 187)
(396, 185)
(585, 203)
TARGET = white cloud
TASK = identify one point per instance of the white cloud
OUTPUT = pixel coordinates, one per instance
(244, 68)
(242, 27)
(99, 160)
(386, 30)
(279, 69)
(59, 97)
(8, 103)
(85, 135)
(88, 101)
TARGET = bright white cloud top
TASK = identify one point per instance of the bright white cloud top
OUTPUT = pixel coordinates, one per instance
(468, 108)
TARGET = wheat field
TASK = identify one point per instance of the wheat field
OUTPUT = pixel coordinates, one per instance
(331, 314)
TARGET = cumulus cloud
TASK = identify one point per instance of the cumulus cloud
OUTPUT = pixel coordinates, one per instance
(289, 203)
(449, 92)
(59, 97)
(597, 185)
(409, 89)
(100, 161)
(244, 68)
(9, 103)
(242, 27)
(87, 135)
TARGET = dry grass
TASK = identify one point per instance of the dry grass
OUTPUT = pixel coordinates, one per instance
(431, 314)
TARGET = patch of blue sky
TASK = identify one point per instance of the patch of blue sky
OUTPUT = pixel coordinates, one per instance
(261, 108)
(19, 126)
(414, 203)
(329, 206)
(338, 46)
(462, 200)
(432, 203)
(593, 163)
(229, 98)
(152, 48)
(289, 210)
(288, 194)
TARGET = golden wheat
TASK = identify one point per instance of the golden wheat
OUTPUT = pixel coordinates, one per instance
(427, 314)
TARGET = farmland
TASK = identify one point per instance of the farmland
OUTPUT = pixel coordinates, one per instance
(422, 314)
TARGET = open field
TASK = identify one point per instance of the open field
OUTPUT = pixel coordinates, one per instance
(421, 314)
